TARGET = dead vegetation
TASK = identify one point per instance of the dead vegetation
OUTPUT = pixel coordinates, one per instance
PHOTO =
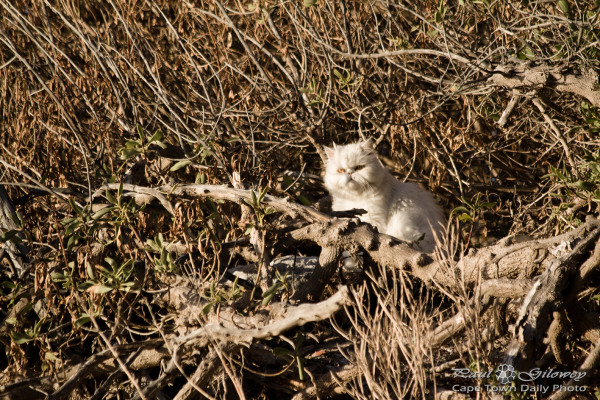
(149, 146)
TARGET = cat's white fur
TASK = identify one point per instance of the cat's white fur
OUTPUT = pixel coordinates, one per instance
(356, 178)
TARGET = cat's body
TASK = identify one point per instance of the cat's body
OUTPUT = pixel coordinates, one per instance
(356, 179)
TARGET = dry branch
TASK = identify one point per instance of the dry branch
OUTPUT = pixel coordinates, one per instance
(257, 92)
(503, 260)
(222, 330)
(546, 296)
(8, 222)
(144, 195)
(563, 79)
(98, 365)
(293, 317)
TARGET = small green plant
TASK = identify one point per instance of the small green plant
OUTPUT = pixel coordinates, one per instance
(79, 227)
(28, 334)
(294, 187)
(294, 353)
(15, 294)
(591, 116)
(84, 224)
(399, 43)
(64, 277)
(440, 13)
(134, 148)
(260, 210)
(217, 295)
(258, 227)
(314, 91)
(344, 80)
(584, 182)
(10, 236)
(469, 212)
(275, 288)
(164, 262)
(117, 277)
(596, 299)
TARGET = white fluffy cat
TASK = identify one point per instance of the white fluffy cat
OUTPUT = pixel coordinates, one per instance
(355, 178)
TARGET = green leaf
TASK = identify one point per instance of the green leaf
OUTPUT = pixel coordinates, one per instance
(304, 200)
(20, 337)
(9, 285)
(180, 164)
(10, 236)
(100, 213)
(200, 178)
(309, 3)
(132, 144)
(465, 217)
(160, 144)
(67, 221)
(564, 7)
(84, 318)
(85, 285)
(99, 289)
(272, 290)
(526, 53)
(458, 210)
(206, 308)
(338, 74)
(58, 277)
(75, 207)
(140, 131)
(583, 185)
(71, 241)
(282, 351)
(71, 228)
(110, 197)
(267, 299)
(126, 154)
(89, 270)
(262, 194)
(300, 368)
(112, 262)
(157, 136)
(51, 356)
(28, 307)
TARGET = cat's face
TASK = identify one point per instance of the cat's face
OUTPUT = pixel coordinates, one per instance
(352, 168)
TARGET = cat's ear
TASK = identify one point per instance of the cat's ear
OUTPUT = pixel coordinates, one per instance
(368, 145)
(329, 151)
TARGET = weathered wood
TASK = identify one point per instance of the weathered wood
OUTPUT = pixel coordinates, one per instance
(9, 222)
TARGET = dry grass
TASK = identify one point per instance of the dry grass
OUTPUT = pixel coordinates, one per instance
(251, 89)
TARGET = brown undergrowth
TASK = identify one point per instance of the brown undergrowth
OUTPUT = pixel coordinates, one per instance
(111, 110)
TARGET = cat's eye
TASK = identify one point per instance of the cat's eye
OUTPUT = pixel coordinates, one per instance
(359, 167)
(341, 170)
